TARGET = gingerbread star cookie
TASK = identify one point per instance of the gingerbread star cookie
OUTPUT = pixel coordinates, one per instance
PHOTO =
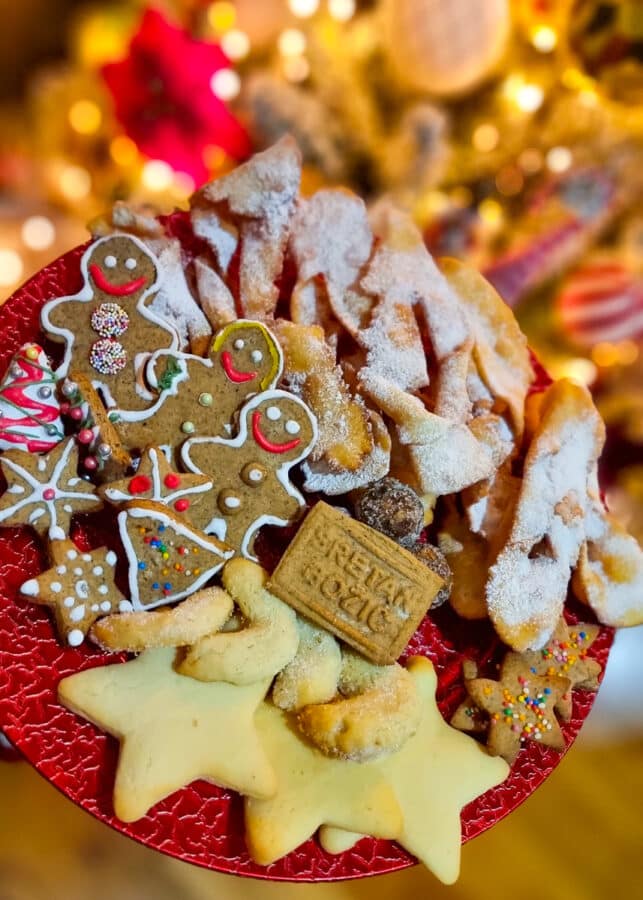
(520, 707)
(107, 328)
(173, 730)
(251, 472)
(45, 491)
(79, 588)
(244, 358)
(156, 480)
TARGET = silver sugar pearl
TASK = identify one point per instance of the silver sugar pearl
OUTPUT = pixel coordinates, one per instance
(70, 389)
(52, 431)
(15, 371)
(104, 451)
(44, 392)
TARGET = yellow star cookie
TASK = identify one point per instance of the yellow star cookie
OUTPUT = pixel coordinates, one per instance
(437, 772)
(173, 730)
(313, 790)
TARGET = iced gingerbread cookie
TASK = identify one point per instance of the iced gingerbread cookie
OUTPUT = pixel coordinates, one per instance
(243, 359)
(79, 588)
(156, 480)
(45, 491)
(107, 328)
(168, 559)
(29, 411)
(251, 472)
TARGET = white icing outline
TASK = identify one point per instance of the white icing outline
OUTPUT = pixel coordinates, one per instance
(178, 528)
(116, 496)
(87, 295)
(38, 488)
(217, 525)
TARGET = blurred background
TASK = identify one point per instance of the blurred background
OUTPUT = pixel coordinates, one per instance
(513, 131)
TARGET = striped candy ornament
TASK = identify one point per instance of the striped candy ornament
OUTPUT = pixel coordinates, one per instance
(601, 302)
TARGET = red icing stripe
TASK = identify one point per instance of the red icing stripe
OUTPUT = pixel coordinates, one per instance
(263, 441)
(232, 373)
(116, 290)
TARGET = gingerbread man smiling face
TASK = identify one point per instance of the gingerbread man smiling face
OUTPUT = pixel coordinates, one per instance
(244, 358)
(251, 472)
(107, 329)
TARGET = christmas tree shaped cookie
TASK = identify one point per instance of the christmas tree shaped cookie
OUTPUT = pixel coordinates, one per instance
(168, 559)
(29, 412)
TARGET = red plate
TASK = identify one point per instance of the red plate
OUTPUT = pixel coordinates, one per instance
(201, 824)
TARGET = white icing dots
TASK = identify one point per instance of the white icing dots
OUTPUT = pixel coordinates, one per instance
(72, 554)
(61, 570)
(56, 533)
(68, 508)
(75, 638)
(82, 589)
(110, 559)
(78, 571)
(97, 570)
(30, 588)
(110, 262)
(255, 475)
(103, 589)
(130, 263)
(273, 413)
(105, 606)
(232, 502)
(86, 557)
(77, 614)
(95, 607)
(292, 427)
(69, 602)
(55, 587)
(239, 344)
(125, 606)
(16, 489)
(42, 465)
(256, 356)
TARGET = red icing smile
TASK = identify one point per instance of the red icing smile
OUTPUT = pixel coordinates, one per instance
(263, 441)
(115, 290)
(232, 373)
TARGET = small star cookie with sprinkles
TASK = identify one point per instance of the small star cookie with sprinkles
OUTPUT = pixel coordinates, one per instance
(156, 480)
(79, 588)
(520, 707)
(45, 491)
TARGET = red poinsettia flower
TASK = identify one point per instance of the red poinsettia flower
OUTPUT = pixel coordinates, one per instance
(164, 100)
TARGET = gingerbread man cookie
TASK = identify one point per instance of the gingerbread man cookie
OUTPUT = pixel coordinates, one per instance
(251, 472)
(107, 328)
(244, 358)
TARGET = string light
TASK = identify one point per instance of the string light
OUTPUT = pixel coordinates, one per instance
(184, 184)
(222, 16)
(123, 151)
(11, 267)
(225, 84)
(38, 233)
(530, 161)
(341, 10)
(157, 175)
(235, 44)
(544, 38)
(526, 96)
(292, 42)
(296, 68)
(559, 159)
(303, 9)
(490, 211)
(85, 116)
(485, 137)
(577, 368)
(75, 182)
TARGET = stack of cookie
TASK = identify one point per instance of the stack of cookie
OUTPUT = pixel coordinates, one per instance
(303, 441)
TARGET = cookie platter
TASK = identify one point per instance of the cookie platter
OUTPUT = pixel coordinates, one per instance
(193, 818)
